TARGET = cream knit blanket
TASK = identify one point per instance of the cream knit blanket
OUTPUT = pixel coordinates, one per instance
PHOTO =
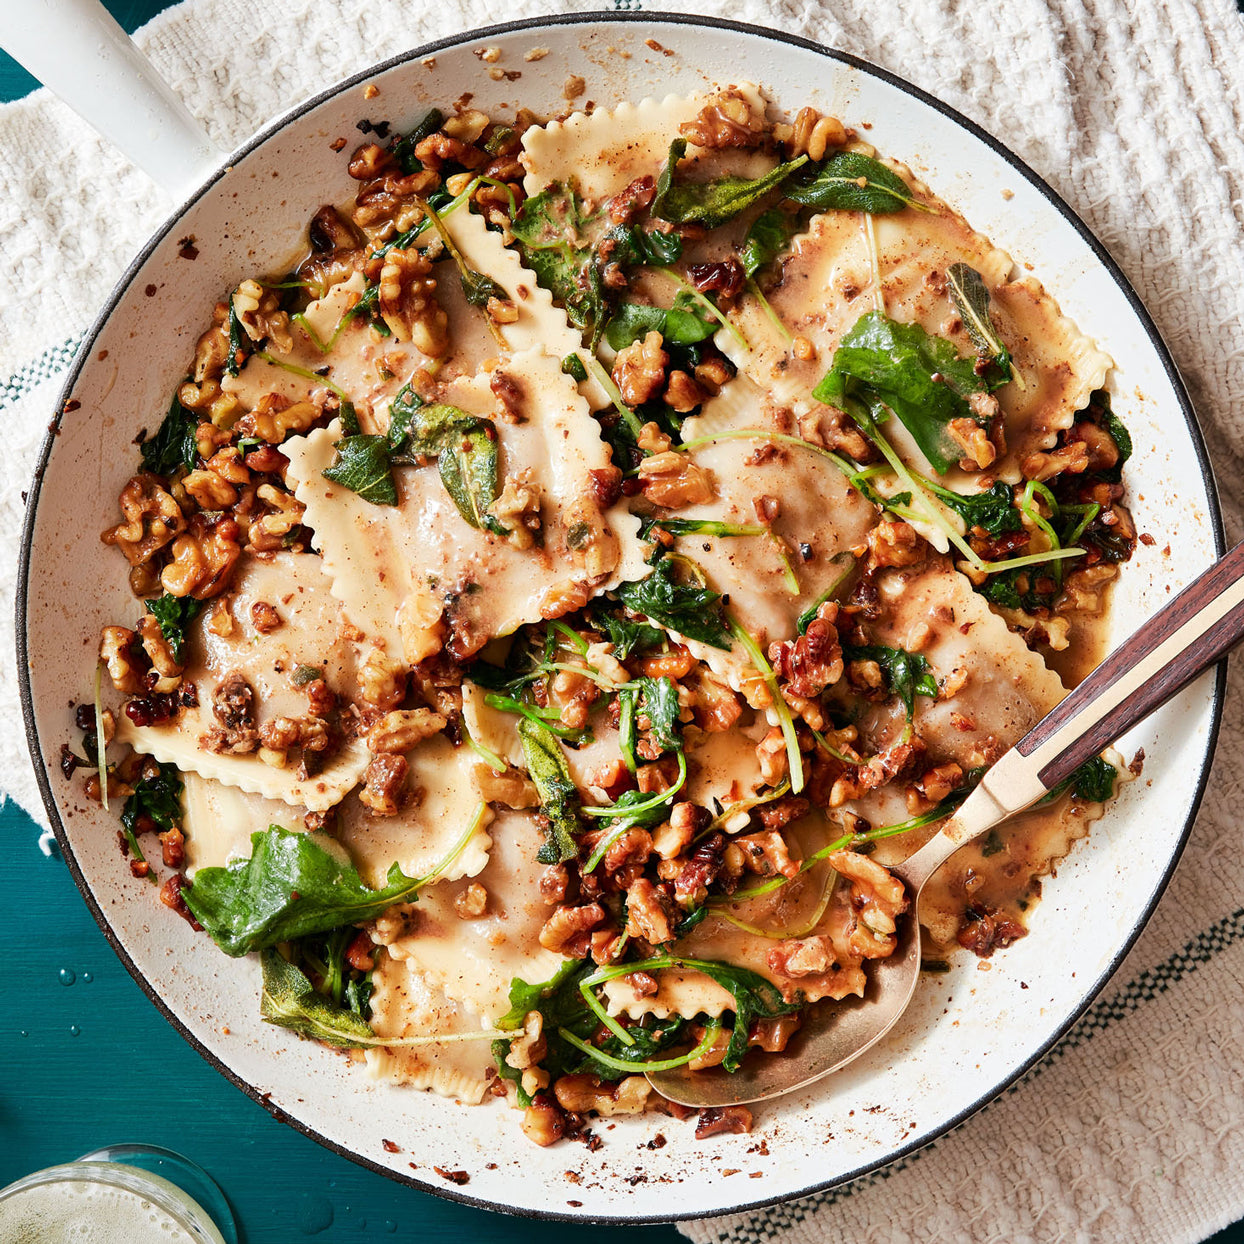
(1133, 1130)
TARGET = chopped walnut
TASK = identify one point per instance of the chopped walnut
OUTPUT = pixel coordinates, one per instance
(718, 1119)
(812, 662)
(979, 451)
(381, 793)
(771, 752)
(382, 680)
(152, 519)
(715, 705)
(726, 122)
(116, 651)
(672, 480)
(682, 393)
(204, 558)
(895, 543)
(265, 618)
(567, 930)
(581, 1093)
(639, 369)
(544, 1122)
(259, 312)
(160, 654)
(937, 783)
(812, 135)
(1072, 458)
(878, 898)
(512, 788)
(650, 912)
(517, 509)
(401, 730)
(275, 417)
(766, 853)
(408, 303)
(210, 490)
(470, 905)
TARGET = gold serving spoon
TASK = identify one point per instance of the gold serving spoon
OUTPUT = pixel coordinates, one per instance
(1195, 629)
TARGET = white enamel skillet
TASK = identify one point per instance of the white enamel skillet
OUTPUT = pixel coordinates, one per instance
(969, 1034)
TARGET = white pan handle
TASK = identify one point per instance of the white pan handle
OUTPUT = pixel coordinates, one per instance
(77, 49)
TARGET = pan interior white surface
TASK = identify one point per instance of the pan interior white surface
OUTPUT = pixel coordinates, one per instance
(970, 1031)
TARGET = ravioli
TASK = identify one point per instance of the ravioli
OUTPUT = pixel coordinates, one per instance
(829, 279)
(310, 636)
(421, 560)
(473, 961)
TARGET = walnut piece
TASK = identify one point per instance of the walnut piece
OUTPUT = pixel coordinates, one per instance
(639, 369)
(401, 730)
(408, 303)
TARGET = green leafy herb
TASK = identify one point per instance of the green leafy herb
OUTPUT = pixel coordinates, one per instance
(404, 149)
(850, 181)
(289, 1000)
(549, 232)
(157, 797)
(806, 617)
(971, 299)
(682, 324)
(1094, 780)
(239, 342)
(174, 444)
(993, 510)
(659, 702)
(468, 469)
(561, 1006)
(993, 844)
(362, 465)
(477, 287)
(1122, 438)
(627, 636)
(559, 798)
(770, 234)
(882, 365)
(907, 674)
(633, 247)
(711, 203)
(295, 884)
(174, 614)
(573, 367)
(305, 674)
(693, 611)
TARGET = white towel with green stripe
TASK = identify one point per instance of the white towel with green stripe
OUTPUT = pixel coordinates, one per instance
(1133, 1129)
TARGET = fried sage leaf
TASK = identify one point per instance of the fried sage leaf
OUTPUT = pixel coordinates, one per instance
(770, 234)
(971, 299)
(711, 203)
(362, 465)
(694, 612)
(559, 797)
(850, 181)
(288, 1000)
(468, 469)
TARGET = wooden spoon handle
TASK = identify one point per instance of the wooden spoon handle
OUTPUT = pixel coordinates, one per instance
(1187, 635)
(1200, 626)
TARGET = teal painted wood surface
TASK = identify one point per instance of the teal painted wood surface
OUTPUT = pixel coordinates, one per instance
(88, 1061)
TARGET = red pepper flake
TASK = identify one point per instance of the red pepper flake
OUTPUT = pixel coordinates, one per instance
(454, 1177)
(150, 291)
(390, 1147)
(186, 247)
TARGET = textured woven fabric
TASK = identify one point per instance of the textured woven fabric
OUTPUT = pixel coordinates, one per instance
(1132, 109)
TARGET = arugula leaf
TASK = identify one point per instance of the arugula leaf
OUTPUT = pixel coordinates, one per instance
(659, 697)
(806, 617)
(1095, 780)
(477, 287)
(174, 614)
(468, 469)
(754, 998)
(404, 149)
(993, 510)
(850, 181)
(711, 203)
(559, 797)
(362, 465)
(1120, 435)
(627, 636)
(907, 674)
(921, 378)
(548, 233)
(289, 1001)
(572, 366)
(633, 247)
(291, 886)
(174, 444)
(561, 1005)
(158, 797)
(971, 299)
(239, 341)
(768, 237)
(683, 324)
(695, 612)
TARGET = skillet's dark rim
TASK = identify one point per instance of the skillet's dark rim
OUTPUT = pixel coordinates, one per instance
(595, 19)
